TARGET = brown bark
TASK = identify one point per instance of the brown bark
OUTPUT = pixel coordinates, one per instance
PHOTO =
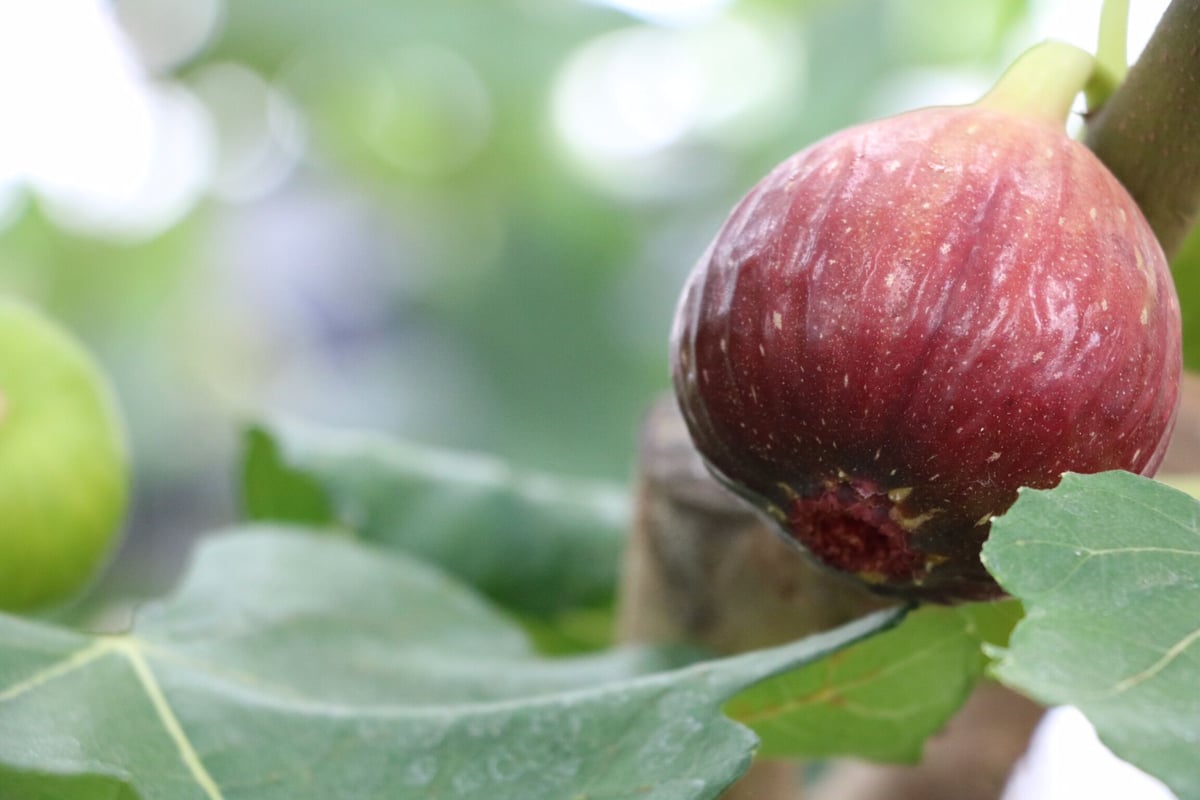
(1183, 456)
(703, 567)
(1148, 132)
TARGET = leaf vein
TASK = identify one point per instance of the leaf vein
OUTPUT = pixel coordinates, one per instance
(831, 690)
(1108, 551)
(80, 658)
(1158, 512)
(166, 715)
(1170, 655)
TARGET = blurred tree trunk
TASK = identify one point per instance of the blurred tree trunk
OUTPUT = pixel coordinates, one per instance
(702, 567)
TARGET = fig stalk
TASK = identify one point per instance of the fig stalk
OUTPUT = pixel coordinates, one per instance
(1042, 83)
(1112, 61)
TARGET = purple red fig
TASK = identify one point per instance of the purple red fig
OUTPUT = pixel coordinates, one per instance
(904, 323)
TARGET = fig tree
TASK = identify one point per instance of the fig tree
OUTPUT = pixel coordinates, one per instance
(904, 323)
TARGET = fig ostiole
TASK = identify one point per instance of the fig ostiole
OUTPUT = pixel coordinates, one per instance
(904, 323)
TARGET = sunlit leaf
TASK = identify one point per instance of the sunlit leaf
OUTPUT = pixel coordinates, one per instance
(881, 698)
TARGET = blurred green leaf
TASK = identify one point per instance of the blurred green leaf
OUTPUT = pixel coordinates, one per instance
(578, 630)
(292, 665)
(948, 31)
(992, 623)
(39, 786)
(273, 490)
(881, 698)
(535, 543)
(1185, 269)
(1108, 566)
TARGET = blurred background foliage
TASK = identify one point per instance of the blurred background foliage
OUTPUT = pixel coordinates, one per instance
(464, 223)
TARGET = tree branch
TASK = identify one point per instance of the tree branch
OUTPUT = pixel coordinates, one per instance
(1148, 133)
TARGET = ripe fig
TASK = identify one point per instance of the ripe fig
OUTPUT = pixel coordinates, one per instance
(904, 323)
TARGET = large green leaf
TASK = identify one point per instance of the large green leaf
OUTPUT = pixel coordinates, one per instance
(293, 665)
(881, 698)
(536, 543)
(1108, 567)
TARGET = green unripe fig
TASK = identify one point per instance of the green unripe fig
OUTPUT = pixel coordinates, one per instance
(63, 466)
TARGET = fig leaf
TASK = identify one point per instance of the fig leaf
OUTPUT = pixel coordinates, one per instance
(291, 664)
(881, 698)
(1108, 567)
(537, 544)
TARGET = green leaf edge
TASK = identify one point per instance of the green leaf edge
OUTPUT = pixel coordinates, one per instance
(1000, 654)
(723, 677)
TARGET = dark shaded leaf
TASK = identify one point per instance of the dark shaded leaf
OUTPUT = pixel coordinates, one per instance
(535, 543)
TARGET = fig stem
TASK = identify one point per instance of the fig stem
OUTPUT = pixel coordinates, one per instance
(1042, 83)
(1112, 59)
(1148, 132)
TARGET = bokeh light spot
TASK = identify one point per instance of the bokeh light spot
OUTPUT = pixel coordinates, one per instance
(628, 97)
(260, 134)
(429, 113)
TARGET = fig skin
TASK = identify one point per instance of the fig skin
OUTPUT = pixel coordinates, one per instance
(904, 323)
